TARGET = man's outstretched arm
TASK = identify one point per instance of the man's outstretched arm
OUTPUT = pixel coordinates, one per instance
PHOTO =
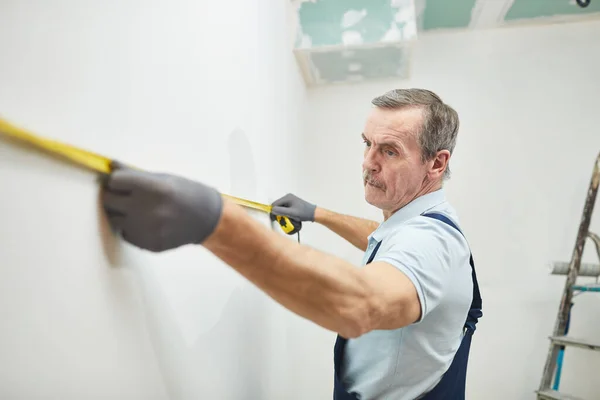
(160, 212)
(355, 230)
(320, 287)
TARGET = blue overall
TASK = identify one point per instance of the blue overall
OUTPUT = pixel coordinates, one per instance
(452, 384)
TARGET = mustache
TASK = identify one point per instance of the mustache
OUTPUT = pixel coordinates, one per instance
(368, 178)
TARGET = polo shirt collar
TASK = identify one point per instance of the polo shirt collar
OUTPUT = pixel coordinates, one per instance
(412, 209)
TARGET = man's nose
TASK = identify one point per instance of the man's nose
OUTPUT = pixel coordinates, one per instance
(370, 162)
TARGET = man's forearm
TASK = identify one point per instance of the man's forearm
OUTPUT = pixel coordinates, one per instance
(353, 229)
(322, 288)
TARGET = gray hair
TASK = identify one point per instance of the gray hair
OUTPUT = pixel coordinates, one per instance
(440, 121)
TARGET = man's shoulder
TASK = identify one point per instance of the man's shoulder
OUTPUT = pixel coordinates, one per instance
(432, 254)
(423, 223)
(423, 232)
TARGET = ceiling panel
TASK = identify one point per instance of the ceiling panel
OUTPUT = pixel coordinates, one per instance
(354, 40)
(527, 9)
(355, 65)
(333, 22)
(447, 14)
(357, 40)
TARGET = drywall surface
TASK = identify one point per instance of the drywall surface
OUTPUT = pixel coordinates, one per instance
(337, 42)
(167, 86)
(528, 101)
(330, 22)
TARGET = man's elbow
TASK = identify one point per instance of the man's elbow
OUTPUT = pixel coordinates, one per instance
(372, 314)
(360, 318)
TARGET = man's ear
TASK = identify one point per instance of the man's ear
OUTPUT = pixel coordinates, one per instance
(439, 164)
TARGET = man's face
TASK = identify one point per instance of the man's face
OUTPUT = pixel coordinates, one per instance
(393, 171)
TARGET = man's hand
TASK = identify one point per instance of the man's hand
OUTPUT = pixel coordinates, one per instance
(354, 230)
(294, 207)
(159, 212)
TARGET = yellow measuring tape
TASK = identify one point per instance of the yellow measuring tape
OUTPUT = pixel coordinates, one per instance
(102, 164)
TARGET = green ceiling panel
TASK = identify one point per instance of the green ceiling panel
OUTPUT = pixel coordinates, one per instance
(354, 40)
(357, 40)
(325, 22)
(448, 14)
(522, 9)
(345, 65)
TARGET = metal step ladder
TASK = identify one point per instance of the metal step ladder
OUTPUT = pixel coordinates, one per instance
(548, 389)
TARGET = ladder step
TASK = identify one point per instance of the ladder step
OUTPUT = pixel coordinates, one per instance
(554, 395)
(594, 287)
(571, 341)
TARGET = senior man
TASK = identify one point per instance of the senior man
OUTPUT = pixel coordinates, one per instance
(405, 318)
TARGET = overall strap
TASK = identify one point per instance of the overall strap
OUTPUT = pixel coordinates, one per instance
(339, 392)
(373, 253)
(475, 310)
(453, 382)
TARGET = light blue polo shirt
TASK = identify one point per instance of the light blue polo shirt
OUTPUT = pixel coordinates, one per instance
(405, 363)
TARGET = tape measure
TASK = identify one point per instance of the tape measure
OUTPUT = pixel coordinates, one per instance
(102, 164)
(287, 224)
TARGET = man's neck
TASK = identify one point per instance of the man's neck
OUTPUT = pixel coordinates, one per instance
(426, 189)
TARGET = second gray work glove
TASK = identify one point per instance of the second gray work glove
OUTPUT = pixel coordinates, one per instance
(159, 212)
(294, 207)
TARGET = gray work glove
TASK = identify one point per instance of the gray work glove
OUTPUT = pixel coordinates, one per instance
(159, 212)
(294, 207)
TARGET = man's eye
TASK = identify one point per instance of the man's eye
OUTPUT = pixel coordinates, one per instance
(367, 143)
(390, 153)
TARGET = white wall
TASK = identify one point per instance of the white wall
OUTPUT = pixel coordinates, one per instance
(210, 90)
(528, 102)
(205, 89)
